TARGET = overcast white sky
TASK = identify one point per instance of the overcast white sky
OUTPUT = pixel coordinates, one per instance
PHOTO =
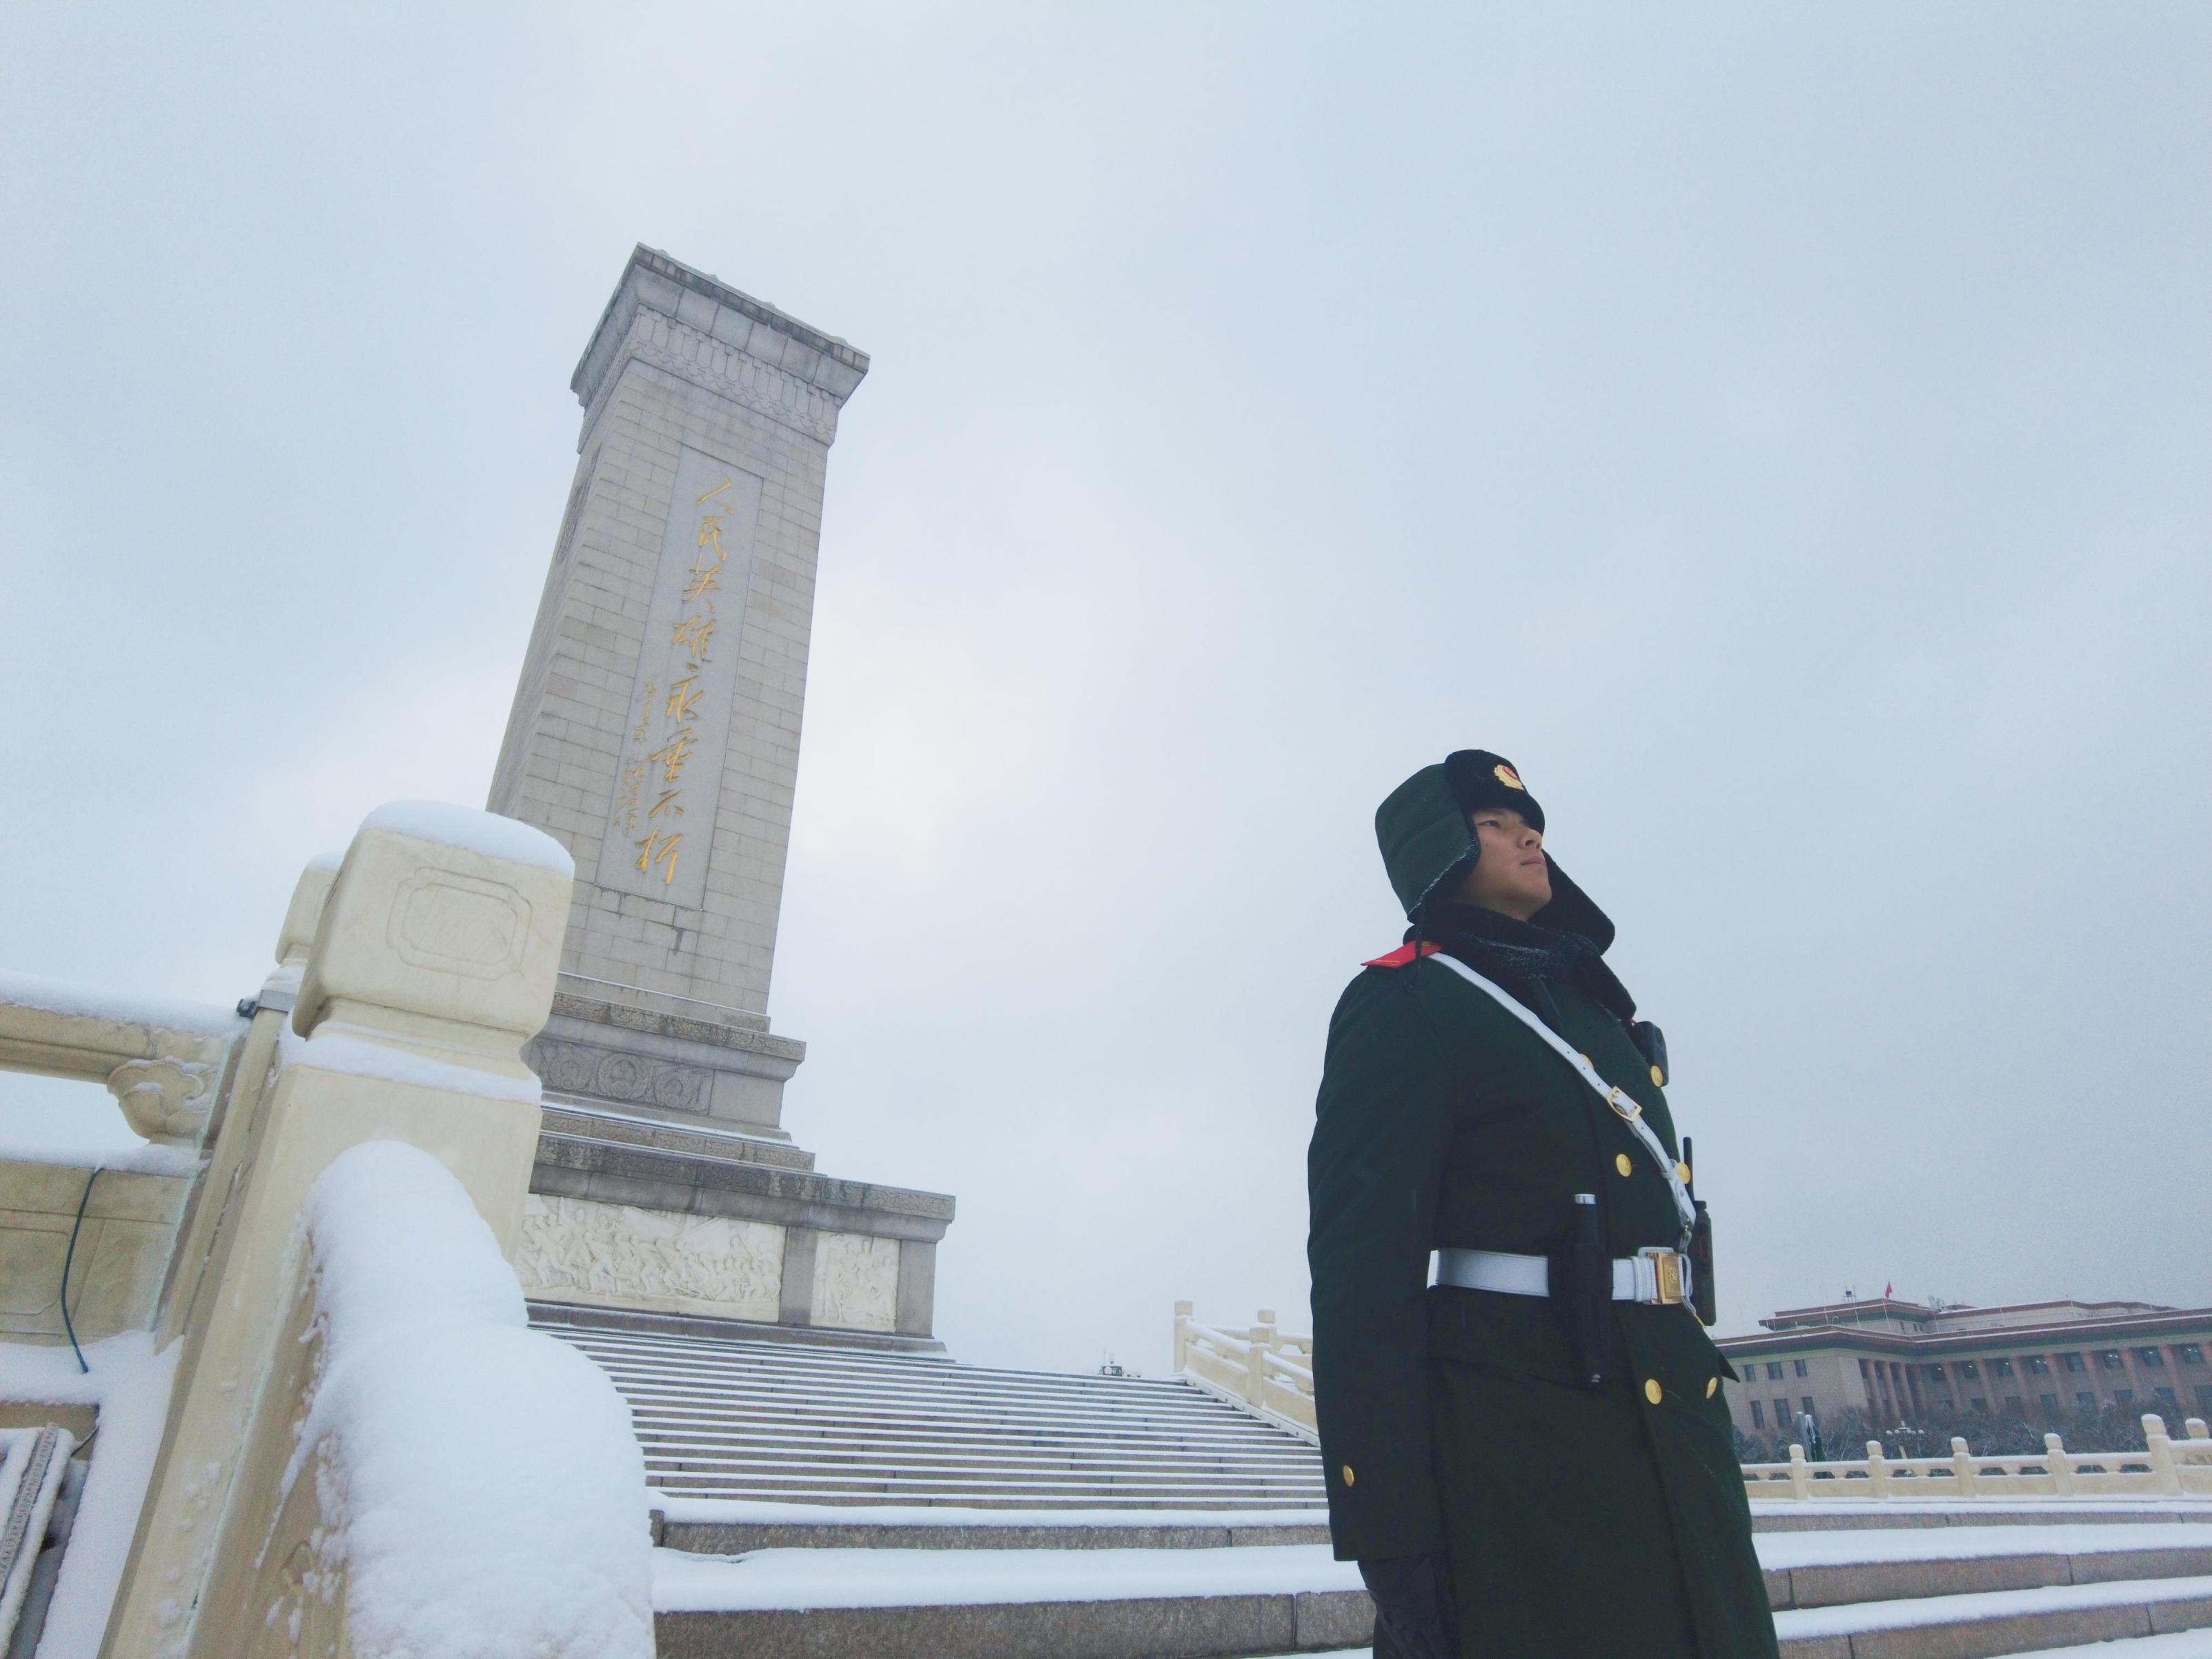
(1782, 430)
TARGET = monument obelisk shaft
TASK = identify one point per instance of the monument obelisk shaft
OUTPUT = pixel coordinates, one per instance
(655, 733)
(655, 729)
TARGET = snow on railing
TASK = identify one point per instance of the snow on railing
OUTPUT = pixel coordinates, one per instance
(1259, 1369)
(2165, 1467)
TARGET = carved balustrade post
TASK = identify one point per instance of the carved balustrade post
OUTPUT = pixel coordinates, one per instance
(1962, 1466)
(1262, 1343)
(2162, 1464)
(2061, 1464)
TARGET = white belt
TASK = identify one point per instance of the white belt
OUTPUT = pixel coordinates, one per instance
(1650, 1275)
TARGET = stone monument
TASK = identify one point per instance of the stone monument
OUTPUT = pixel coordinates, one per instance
(655, 734)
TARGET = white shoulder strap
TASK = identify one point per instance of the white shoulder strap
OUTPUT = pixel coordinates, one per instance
(1623, 1105)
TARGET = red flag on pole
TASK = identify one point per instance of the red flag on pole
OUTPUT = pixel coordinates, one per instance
(1886, 1289)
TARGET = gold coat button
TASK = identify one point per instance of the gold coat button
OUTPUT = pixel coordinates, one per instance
(1658, 1077)
(1682, 1173)
(1346, 1473)
(1586, 1060)
(1620, 1163)
(1651, 1390)
(1711, 1384)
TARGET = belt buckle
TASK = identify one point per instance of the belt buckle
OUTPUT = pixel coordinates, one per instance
(1665, 1275)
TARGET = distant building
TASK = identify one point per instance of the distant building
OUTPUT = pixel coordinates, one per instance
(1898, 1362)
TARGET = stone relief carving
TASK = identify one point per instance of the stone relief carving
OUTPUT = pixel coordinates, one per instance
(457, 923)
(856, 1282)
(619, 1251)
(165, 1100)
(742, 379)
(577, 1068)
(693, 1030)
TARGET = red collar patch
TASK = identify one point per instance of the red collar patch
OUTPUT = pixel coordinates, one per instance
(1404, 956)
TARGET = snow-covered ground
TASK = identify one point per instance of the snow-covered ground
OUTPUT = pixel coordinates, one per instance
(749, 1511)
(1804, 1623)
(1847, 1547)
(861, 1578)
(907, 1578)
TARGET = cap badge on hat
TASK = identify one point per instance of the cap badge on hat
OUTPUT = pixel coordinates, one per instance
(1506, 775)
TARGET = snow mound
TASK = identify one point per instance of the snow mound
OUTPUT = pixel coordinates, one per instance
(487, 1494)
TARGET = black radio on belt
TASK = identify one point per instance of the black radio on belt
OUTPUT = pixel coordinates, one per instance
(1701, 1246)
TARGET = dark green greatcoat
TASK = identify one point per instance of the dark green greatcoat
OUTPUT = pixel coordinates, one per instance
(1581, 1523)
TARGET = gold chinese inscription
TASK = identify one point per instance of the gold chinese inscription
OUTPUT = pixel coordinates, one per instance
(693, 639)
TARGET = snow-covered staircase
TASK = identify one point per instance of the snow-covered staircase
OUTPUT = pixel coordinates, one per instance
(748, 1418)
(823, 1500)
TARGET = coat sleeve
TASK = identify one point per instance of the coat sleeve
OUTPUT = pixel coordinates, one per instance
(1373, 1174)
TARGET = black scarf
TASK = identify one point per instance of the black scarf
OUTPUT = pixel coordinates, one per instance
(1526, 960)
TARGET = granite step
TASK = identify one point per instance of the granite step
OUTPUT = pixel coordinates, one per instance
(1811, 1570)
(717, 1527)
(1042, 1495)
(877, 1408)
(1008, 1603)
(828, 1453)
(903, 1436)
(1979, 1625)
(1778, 1516)
(886, 1416)
(742, 1417)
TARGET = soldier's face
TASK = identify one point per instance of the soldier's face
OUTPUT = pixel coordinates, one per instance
(1512, 875)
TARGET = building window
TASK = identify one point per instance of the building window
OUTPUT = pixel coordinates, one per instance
(1773, 1369)
(1758, 1415)
(2111, 1360)
(2205, 1398)
(2086, 1402)
(1806, 1403)
(2015, 1404)
(1978, 1404)
(1935, 1372)
(2002, 1367)
(2037, 1365)
(2071, 1361)
(2167, 1395)
(1968, 1368)
(2123, 1396)
(2150, 1358)
(2050, 1402)
(1781, 1413)
(1801, 1368)
(2192, 1353)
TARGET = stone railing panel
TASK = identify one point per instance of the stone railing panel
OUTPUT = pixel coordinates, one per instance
(2166, 1468)
(162, 1060)
(1259, 1369)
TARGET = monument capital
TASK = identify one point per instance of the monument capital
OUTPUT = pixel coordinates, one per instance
(702, 330)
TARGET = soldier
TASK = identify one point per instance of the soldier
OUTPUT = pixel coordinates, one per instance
(1531, 1458)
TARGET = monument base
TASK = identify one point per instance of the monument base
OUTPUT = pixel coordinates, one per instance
(625, 1213)
(588, 1317)
(645, 1054)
